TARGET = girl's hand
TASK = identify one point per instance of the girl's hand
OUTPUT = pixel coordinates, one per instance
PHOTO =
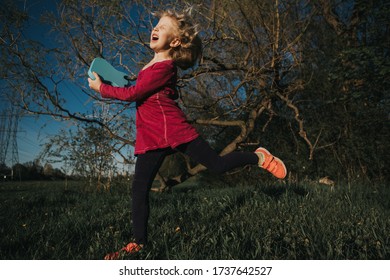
(95, 84)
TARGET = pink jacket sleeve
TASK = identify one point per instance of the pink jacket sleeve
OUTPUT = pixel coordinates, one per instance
(158, 76)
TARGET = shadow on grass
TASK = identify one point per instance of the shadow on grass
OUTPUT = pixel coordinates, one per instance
(274, 191)
(279, 190)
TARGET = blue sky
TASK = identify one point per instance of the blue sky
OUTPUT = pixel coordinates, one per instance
(33, 131)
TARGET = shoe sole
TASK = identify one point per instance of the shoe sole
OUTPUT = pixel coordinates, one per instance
(276, 158)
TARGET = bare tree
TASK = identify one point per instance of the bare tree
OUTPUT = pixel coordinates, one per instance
(249, 72)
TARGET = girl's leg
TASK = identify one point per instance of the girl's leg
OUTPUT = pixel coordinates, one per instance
(146, 168)
(200, 151)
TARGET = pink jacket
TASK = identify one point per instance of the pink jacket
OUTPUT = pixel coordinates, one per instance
(160, 122)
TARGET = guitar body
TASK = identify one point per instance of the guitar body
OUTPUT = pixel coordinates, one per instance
(107, 73)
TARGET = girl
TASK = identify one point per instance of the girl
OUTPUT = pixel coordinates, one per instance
(161, 125)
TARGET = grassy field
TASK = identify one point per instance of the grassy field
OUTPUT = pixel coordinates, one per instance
(43, 220)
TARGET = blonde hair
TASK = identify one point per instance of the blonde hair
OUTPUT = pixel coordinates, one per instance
(190, 49)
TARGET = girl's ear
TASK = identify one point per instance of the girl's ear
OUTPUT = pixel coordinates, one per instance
(175, 43)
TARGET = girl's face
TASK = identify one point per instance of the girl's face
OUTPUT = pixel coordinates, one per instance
(165, 35)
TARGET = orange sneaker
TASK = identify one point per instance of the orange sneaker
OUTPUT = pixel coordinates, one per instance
(272, 164)
(112, 256)
(130, 248)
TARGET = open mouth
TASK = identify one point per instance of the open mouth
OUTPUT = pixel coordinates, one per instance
(154, 38)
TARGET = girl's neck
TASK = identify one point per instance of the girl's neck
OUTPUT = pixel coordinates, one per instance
(161, 56)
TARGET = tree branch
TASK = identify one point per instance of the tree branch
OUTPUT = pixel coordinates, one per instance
(299, 120)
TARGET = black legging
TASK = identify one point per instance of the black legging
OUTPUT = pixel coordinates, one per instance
(148, 164)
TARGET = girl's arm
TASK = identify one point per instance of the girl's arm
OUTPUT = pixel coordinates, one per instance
(159, 76)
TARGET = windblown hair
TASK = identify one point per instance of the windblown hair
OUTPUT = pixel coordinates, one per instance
(190, 49)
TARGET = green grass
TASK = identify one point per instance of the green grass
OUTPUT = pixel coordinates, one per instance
(42, 220)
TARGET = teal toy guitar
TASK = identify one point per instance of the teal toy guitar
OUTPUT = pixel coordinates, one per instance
(108, 73)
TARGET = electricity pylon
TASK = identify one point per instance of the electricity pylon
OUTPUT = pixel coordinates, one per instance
(9, 122)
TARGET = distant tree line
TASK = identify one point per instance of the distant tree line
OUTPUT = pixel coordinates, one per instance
(31, 171)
